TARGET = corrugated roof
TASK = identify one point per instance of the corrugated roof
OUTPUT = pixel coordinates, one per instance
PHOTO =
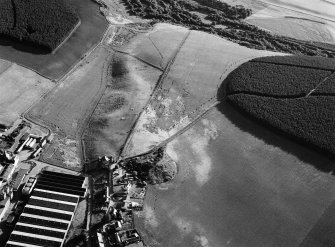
(49, 211)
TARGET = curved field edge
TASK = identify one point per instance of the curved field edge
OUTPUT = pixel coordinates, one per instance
(56, 65)
(187, 91)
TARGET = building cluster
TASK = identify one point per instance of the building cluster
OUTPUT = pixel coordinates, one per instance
(124, 195)
(8, 164)
(33, 143)
(47, 208)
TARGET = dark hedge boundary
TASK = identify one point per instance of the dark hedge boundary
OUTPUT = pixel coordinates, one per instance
(38, 23)
(278, 96)
(310, 120)
(273, 79)
(183, 12)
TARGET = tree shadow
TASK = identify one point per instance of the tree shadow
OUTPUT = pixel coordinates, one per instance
(24, 46)
(322, 161)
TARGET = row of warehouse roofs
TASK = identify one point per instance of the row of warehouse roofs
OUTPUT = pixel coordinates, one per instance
(49, 211)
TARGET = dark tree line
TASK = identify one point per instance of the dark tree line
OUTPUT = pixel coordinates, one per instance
(40, 22)
(183, 12)
(275, 94)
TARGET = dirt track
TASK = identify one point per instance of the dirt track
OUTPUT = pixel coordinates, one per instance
(67, 107)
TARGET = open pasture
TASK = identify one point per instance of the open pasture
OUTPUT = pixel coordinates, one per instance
(129, 85)
(20, 88)
(187, 89)
(238, 183)
(54, 66)
(157, 46)
(67, 107)
(296, 28)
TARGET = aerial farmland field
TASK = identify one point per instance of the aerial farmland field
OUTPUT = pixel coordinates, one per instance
(239, 185)
(198, 123)
(188, 89)
(68, 106)
(304, 20)
(20, 88)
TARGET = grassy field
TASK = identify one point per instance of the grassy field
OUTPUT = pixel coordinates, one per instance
(68, 106)
(20, 88)
(296, 28)
(157, 46)
(129, 85)
(53, 66)
(303, 20)
(188, 88)
(240, 185)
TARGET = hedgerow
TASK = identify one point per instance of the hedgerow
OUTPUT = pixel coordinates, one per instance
(302, 61)
(310, 119)
(44, 23)
(273, 79)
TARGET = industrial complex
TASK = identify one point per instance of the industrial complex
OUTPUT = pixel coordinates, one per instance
(48, 213)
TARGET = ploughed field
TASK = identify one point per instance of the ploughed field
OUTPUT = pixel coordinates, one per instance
(292, 94)
(44, 23)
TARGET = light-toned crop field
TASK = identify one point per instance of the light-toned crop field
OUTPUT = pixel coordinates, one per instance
(188, 89)
(304, 20)
(296, 28)
(68, 106)
(239, 184)
(20, 88)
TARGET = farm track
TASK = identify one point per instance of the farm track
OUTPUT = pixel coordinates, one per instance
(49, 126)
(136, 57)
(297, 11)
(151, 98)
(197, 118)
(103, 86)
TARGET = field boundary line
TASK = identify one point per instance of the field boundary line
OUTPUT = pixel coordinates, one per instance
(158, 84)
(136, 57)
(297, 11)
(83, 128)
(311, 228)
(67, 37)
